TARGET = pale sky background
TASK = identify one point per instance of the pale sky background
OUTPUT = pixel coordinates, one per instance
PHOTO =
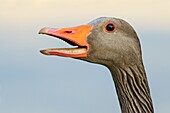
(34, 83)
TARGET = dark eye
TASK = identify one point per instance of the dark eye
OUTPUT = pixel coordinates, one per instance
(110, 27)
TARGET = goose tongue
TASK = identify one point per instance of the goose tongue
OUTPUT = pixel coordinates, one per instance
(76, 36)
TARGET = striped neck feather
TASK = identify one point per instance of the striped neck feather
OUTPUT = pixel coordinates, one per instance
(132, 89)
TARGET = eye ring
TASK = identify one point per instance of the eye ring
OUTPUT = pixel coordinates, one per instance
(110, 27)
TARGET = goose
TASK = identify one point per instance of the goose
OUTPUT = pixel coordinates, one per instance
(111, 42)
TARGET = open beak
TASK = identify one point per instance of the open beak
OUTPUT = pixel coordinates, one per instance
(76, 36)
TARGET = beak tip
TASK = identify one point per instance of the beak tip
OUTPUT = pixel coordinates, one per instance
(44, 52)
(43, 30)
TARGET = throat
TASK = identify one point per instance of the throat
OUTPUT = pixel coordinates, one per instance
(132, 89)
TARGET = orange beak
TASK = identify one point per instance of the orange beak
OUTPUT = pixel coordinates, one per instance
(76, 36)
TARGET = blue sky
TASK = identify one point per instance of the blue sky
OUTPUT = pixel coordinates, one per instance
(33, 83)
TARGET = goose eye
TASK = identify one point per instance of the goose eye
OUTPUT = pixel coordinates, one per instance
(110, 27)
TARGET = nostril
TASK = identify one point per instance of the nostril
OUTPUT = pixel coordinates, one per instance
(68, 31)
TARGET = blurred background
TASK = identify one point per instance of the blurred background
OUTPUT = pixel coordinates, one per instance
(33, 83)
